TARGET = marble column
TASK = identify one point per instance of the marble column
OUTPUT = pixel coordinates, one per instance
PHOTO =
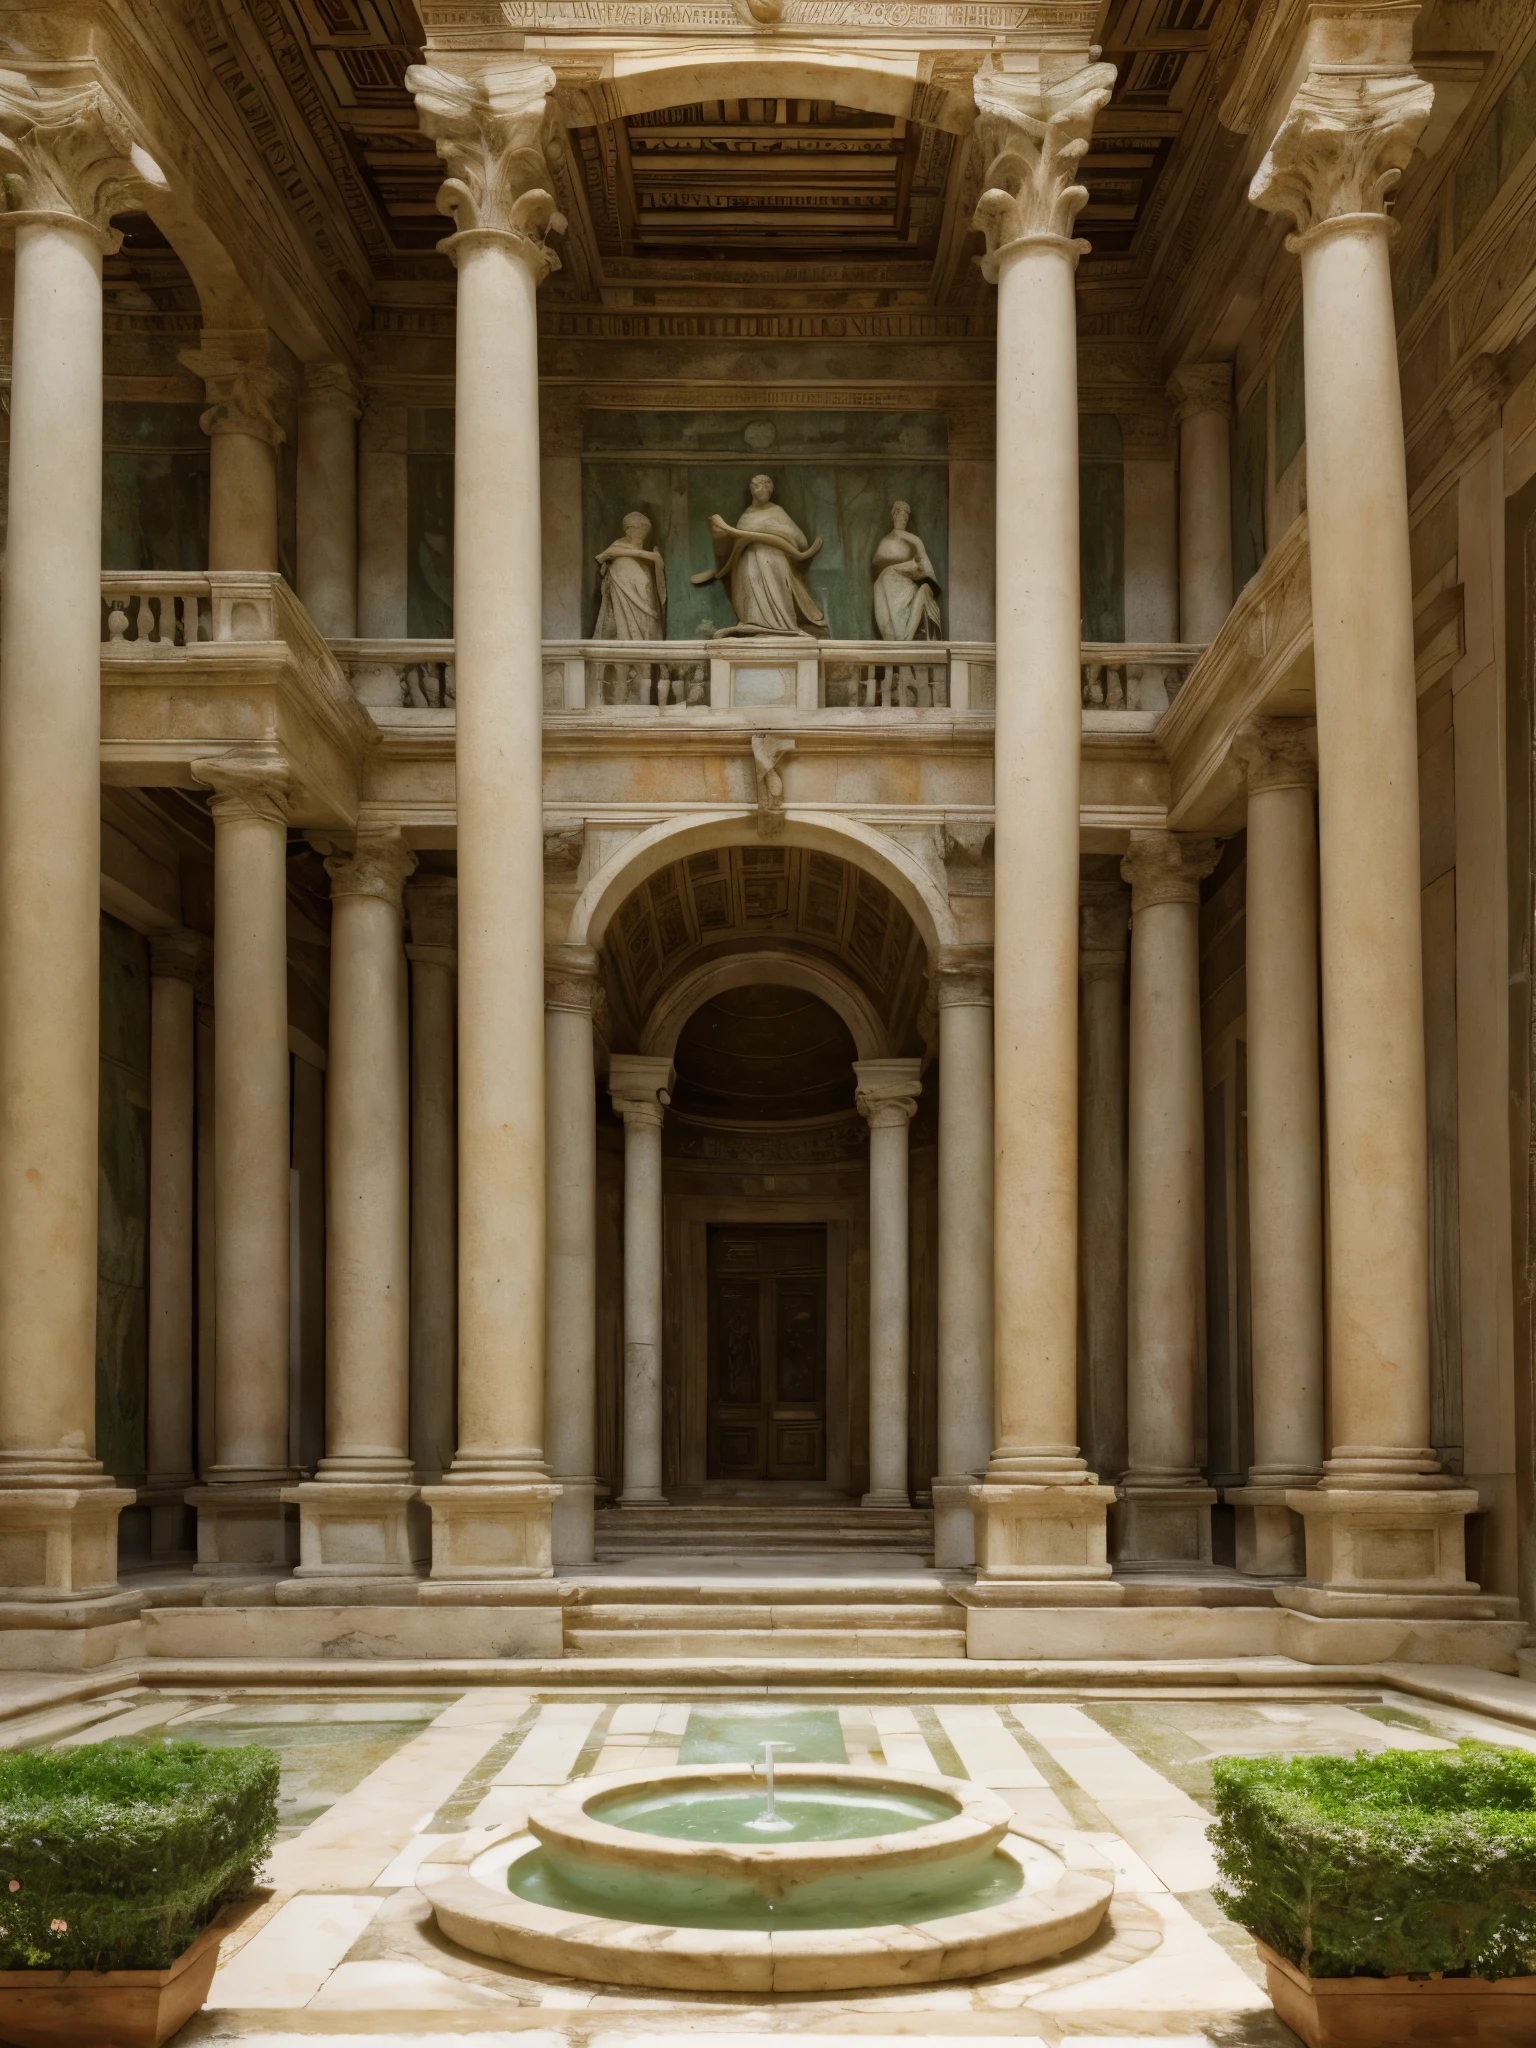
(1103, 918)
(383, 569)
(243, 425)
(887, 1099)
(962, 978)
(242, 1521)
(65, 154)
(641, 1089)
(571, 989)
(327, 498)
(431, 904)
(1202, 410)
(175, 963)
(1285, 1175)
(1040, 1524)
(1164, 1514)
(1385, 1531)
(361, 1525)
(491, 1516)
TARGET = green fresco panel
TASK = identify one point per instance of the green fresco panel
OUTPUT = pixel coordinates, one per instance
(155, 483)
(1290, 398)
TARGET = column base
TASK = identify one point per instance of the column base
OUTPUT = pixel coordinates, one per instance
(885, 1497)
(1043, 1546)
(487, 1533)
(1162, 1524)
(573, 1521)
(1371, 1551)
(242, 1526)
(642, 1497)
(360, 1529)
(59, 1542)
(954, 1524)
(1271, 1537)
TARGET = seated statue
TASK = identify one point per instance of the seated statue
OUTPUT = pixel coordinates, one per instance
(764, 550)
(906, 589)
(633, 586)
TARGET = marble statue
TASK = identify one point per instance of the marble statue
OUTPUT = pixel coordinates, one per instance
(764, 552)
(906, 589)
(633, 585)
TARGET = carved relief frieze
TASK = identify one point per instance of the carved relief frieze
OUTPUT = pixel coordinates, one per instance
(487, 23)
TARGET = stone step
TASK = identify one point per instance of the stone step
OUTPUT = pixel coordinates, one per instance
(845, 1595)
(772, 1643)
(631, 1616)
(751, 1527)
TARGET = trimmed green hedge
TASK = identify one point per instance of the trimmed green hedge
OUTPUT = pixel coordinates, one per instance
(116, 1858)
(1382, 1866)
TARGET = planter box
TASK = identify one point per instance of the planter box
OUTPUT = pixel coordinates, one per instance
(108, 2008)
(1402, 2012)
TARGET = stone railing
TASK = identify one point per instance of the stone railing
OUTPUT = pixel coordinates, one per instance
(150, 615)
(1134, 677)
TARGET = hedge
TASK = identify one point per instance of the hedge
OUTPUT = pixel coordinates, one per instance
(116, 1858)
(1412, 1862)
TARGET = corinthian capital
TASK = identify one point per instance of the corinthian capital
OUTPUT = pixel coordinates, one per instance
(246, 785)
(1167, 867)
(1033, 133)
(243, 390)
(378, 865)
(66, 154)
(489, 132)
(1356, 118)
(887, 1091)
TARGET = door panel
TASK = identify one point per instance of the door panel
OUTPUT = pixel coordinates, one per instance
(767, 1353)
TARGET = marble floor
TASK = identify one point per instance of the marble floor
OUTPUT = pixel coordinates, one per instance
(341, 1947)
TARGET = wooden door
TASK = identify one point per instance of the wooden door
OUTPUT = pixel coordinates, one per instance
(767, 1352)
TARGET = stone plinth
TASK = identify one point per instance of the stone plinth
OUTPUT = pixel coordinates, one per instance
(360, 1530)
(1043, 1545)
(1271, 1537)
(1163, 1524)
(241, 1528)
(59, 1542)
(1389, 1553)
(485, 1535)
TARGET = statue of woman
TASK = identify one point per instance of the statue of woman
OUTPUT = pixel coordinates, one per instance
(764, 550)
(906, 589)
(633, 585)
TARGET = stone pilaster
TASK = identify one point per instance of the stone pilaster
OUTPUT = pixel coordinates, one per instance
(571, 990)
(886, 1097)
(962, 981)
(641, 1090)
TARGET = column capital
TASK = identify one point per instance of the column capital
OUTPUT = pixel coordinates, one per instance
(962, 977)
(378, 865)
(1348, 134)
(179, 956)
(67, 157)
(242, 387)
(641, 1087)
(1278, 753)
(246, 786)
(887, 1091)
(1103, 925)
(489, 131)
(1168, 867)
(333, 385)
(1033, 131)
(571, 979)
(432, 907)
(1200, 387)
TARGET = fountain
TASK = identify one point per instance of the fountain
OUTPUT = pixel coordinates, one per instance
(808, 1877)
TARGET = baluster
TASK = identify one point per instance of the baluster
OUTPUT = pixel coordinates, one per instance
(117, 622)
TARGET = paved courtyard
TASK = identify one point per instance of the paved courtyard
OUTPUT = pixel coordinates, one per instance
(342, 1946)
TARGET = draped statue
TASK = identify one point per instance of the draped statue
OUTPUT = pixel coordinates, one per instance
(906, 589)
(764, 551)
(633, 586)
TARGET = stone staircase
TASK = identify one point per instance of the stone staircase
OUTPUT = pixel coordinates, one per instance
(750, 1531)
(761, 1617)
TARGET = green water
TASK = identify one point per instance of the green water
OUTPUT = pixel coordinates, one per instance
(828, 1813)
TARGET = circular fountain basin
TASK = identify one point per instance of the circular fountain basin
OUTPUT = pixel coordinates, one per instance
(669, 1879)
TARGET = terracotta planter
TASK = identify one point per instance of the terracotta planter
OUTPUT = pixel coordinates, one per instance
(108, 2008)
(1401, 2012)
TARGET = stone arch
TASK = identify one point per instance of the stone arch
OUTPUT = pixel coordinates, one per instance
(650, 851)
(777, 970)
(878, 82)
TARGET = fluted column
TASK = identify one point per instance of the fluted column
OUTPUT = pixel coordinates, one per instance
(1104, 918)
(1041, 1519)
(327, 498)
(431, 906)
(571, 988)
(1202, 410)
(244, 429)
(1165, 1507)
(1285, 1181)
(887, 1099)
(641, 1089)
(962, 978)
(1385, 1531)
(356, 1519)
(241, 1519)
(65, 155)
(492, 1514)
(175, 962)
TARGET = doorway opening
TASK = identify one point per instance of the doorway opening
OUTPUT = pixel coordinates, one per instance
(767, 1349)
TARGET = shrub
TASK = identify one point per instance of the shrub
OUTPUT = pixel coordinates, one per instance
(116, 1858)
(1416, 1861)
